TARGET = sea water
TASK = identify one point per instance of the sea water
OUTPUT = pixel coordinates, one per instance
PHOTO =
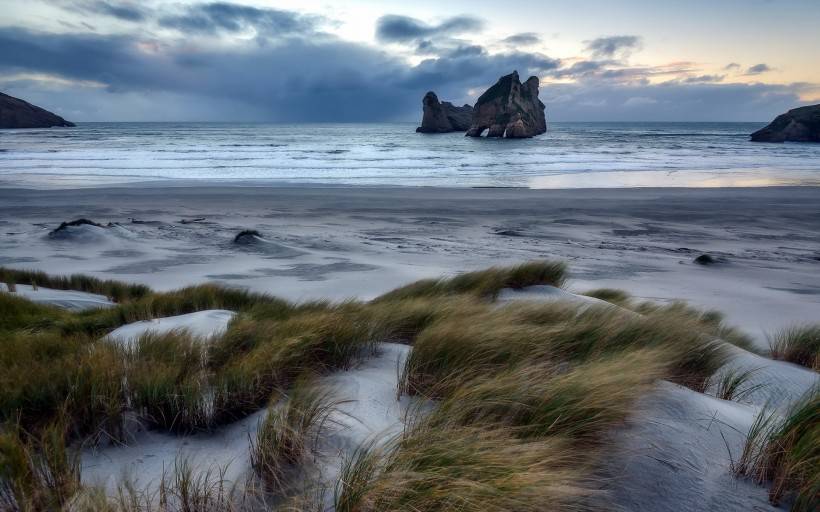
(568, 155)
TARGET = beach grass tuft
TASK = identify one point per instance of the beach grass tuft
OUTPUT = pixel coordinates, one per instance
(288, 431)
(484, 283)
(37, 471)
(784, 453)
(798, 345)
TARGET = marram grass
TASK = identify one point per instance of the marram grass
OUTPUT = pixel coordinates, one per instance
(526, 392)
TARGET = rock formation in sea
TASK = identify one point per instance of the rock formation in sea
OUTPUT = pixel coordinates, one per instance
(509, 109)
(443, 117)
(797, 125)
(247, 237)
(16, 113)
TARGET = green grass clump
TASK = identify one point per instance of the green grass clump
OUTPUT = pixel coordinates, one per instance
(43, 375)
(285, 435)
(37, 472)
(612, 295)
(19, 313)
(711, 322)
(785, 453)
(116, 290)
(537, 400)
(273, 355)
(470, 469)
(798, 345)
(454, 349)
(166, 382)
(485, 283)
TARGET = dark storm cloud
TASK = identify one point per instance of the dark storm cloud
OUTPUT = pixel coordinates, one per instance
(294, 80)
(613, 45)
(214, 17)
(402, 29)
(522, 39)
(758, 69)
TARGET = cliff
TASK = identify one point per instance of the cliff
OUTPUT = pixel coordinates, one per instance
(797, 125)
(16, 113)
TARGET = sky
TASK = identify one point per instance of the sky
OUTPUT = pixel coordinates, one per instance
(295, 61)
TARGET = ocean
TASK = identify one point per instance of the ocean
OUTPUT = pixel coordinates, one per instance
(570, 155)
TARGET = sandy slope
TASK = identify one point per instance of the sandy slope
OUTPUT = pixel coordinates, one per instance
(673, 456)
(201, 324)
(67, 299)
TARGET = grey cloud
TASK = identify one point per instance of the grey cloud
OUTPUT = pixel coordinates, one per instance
(613, 45)
(295, 80)
(522, 39)
(731, 66)
(758, 69)
(214, 17)
(402, 29)
(671, 101)
(123, 10)
(304, 79)
(704, 79)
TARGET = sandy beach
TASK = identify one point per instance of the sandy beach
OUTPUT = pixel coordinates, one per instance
(341, 242)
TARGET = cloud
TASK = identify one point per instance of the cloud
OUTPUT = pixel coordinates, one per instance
(731, 66)
(297, 79)
(126, 11)
(670, 101)
(216, 17)
(522, 39)
(392, 28)
(613, 45)
(758, 69)
(704, 79)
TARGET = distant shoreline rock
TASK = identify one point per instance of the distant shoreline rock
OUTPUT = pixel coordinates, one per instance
(16, 113)
(509, 109)
(797, 125)
(443, 117)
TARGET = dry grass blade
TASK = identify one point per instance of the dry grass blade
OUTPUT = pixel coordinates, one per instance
(731, 384)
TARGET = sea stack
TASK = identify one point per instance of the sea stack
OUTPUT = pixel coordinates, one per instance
(509, 109)
(797, 125)
(443, 117)
(16, 113)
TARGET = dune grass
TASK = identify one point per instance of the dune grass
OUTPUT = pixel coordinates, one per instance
(733, 384)
(612, 295)
(484, 283)
(525, 392)
(115, 290)
(451, 351)
(20, 313)
(287, 433)
(37, 472)
(798, 345)
(784, 453)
